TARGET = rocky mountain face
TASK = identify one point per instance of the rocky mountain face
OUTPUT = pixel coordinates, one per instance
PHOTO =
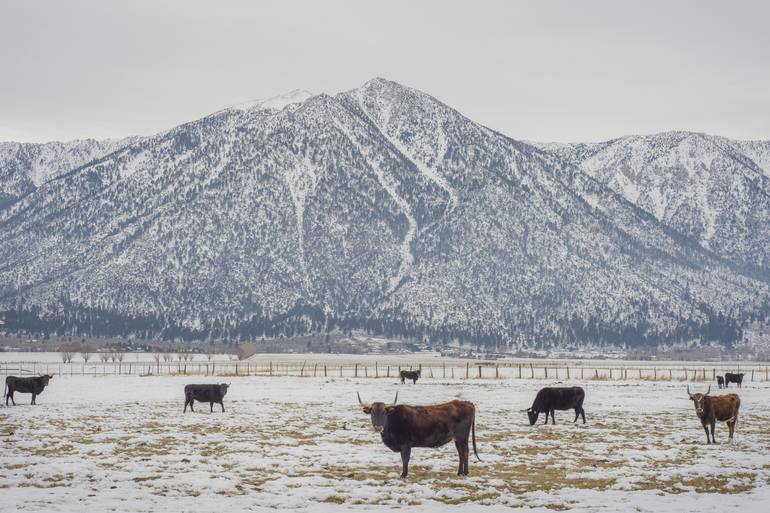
(24, 166)
(378, 208)
(713, 190)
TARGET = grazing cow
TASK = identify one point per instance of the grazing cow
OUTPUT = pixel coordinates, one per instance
(710, 409)
(720, 381)
(34, 386)
(205, 394)
(413, 375)
(557, 398)
(734, 378)
(403, 427)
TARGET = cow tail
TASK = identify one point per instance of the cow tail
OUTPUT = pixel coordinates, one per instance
(473, 436)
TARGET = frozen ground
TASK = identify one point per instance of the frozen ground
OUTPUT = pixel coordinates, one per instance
(121, 443)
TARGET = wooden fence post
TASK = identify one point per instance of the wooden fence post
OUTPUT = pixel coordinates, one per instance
(531, 371)
(325, 370)
(376, 370)
(545, 370)
(467, 369)
(567, 372)
(355, 371)
(519, 371)
(479, 370)
(271, 367)
(497, 371)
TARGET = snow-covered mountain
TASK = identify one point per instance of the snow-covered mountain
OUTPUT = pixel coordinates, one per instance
(711, 189)
(380, 208)
(24, 166)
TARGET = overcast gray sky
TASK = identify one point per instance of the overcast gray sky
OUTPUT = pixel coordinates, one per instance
(540, 70)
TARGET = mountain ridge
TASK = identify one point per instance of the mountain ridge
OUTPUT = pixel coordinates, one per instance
(379, 208)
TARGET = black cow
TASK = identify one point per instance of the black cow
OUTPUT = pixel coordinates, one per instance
(734, 378)
(413, 375)
(34, 386)
(403, 427)
(720, 382)
(557, 398)
(205, 394)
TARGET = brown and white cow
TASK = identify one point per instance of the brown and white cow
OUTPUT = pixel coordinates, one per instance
(403, 427)
(723, 408)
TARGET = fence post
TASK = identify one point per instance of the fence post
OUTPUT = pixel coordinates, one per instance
(497, 371)
(531, 371)
(467, 369)
(443, 369)
(388, 371)
(545, 370)
(479, 371)
(325, 370)
(355, 371)
(271, 367)
(752, 374)
(519, 371)
(315, 369)
(581, 372)
(567, 372)
(596, 373)
(610, 372)
(376, 370)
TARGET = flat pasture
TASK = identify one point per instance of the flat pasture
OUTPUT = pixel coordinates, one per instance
(122, 443)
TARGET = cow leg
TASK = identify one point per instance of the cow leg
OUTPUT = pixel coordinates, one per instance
(222, 404)
(211, 406)
(406, 451)
(462, 452)
(713, 440)
(402, 380)
(192, 401)
(583, 414)
(577, 414)
(553, 419)
(414, 381)
(706, 429)
(185, 405)
(33, 398)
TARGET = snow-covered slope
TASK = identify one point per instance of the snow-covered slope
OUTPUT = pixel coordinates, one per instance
(711, 189)
(380, 208)
(24, 166)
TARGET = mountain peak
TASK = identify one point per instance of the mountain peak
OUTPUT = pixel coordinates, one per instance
(277, 102)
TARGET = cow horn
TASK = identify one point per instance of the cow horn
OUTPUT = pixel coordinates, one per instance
(707, 391)
(359, 399)
(395, 400)
(688, 391)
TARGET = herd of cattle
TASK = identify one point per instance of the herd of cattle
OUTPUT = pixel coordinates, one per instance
(404, 427)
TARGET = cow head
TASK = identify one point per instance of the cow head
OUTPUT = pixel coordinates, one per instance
(378, 412)
(45, 379)
(532, 414)
(699, 400)
(223, 388)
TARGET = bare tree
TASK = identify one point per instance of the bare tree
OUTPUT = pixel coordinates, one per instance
(156, 357)
(167, 357)
(104, 356)
(85, 354)
(66, 356)
(119, 356)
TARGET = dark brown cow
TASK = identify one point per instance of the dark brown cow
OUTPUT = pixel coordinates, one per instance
(413, 375)
(723, 408)
(403, 427)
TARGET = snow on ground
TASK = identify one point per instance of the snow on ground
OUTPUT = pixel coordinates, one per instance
(122, 443)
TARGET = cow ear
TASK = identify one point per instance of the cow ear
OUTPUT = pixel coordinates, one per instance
(367, 409)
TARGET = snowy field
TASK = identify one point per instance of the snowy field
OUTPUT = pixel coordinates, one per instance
(121, 443)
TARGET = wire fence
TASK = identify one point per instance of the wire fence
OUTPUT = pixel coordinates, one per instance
(451, 369)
